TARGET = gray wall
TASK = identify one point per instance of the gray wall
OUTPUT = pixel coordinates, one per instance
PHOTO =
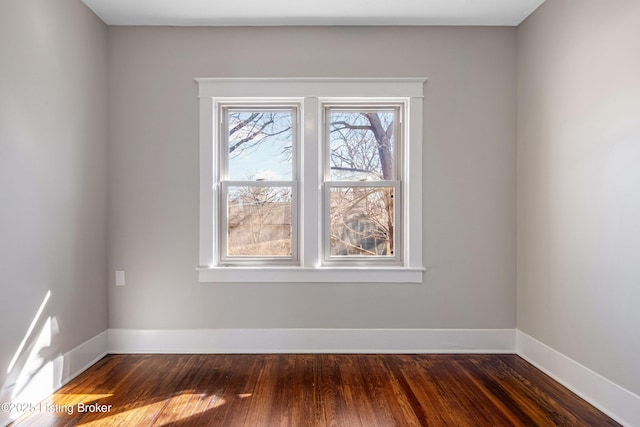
(579, 183)
(469, 175)
(53, 135)
(578, 198)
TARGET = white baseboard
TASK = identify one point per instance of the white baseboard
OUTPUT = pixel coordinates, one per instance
(50, 376)
(312, 341)
(615, 401)
(83, 356)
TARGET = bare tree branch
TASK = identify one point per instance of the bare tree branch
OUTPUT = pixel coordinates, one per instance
(243, 123)
(346, 125)
(249, 137)
(350, 169)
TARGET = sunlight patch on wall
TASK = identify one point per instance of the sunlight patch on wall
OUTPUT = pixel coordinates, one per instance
(34, 322)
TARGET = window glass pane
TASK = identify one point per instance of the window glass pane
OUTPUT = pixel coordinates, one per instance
(361, 221)
(361, 145)
(260, 145)
(259, 221)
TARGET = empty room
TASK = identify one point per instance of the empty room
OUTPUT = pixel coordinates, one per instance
(319, 213)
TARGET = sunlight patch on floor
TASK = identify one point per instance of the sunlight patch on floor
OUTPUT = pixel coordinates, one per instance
(169, 410)
(74, 399)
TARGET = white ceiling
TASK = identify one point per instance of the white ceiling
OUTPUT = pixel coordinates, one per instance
(316, 12)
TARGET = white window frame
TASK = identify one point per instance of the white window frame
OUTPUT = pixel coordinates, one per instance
(223, 183)
(396, 183)
(311, 94)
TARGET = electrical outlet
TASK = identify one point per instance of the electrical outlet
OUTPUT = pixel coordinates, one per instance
(120, 278)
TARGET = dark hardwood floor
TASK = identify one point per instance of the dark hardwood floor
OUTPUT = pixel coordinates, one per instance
(314, 390)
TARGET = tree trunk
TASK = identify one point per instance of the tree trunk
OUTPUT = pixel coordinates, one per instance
(384, 140)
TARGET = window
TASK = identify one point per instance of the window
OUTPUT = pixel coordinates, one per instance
(258, 183)
(310, 180)
(362, 183)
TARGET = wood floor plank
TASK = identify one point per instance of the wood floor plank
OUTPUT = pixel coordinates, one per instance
(315, 390)
(518, 411)
(331, 402)
(550, 397)
(359, 409)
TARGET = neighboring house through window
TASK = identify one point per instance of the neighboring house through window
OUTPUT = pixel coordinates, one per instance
(310, 180)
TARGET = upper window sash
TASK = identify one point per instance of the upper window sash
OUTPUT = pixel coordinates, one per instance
(243, 113)
(338, 117)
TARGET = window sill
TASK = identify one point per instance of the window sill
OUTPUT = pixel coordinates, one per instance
(306, 275)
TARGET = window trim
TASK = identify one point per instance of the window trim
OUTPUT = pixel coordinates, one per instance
(311, 92)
